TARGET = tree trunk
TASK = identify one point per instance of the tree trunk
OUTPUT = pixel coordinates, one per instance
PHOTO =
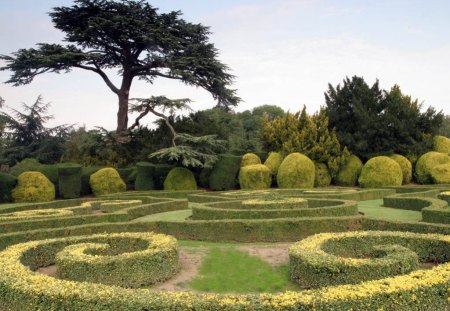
(122, 114)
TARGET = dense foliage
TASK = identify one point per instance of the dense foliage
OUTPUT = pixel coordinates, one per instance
(371, 121)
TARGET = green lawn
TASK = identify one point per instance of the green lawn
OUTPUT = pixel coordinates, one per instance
(374, 209)
(227, 270)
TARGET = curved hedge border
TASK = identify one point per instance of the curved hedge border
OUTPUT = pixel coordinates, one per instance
(234, 210)
(127, 259)
(23, 289)
(353, 257)
(425, 200)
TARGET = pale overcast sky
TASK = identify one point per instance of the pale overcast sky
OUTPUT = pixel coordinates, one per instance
(282, 52)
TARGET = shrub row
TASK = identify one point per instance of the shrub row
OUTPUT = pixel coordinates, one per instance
(353, 257)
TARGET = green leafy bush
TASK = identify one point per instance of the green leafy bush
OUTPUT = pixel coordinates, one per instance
(33, 187)
(296, 171)
(405, 165)
(256, 176)
(273, 162)
(144, 177)
(7, 184)
(349, 173)
(86, 173)
(203, 177)
(106, 181)
(128, 175)
(322, 177)
(250, 159)
(180, 178)
(224, 173)
(425, 164)
(380, 172)
(160, 174)
(69, 180)
(441, 144)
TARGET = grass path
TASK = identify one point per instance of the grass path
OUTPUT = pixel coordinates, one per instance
(374, 209)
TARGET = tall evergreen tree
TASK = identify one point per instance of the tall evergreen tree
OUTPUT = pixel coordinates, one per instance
(132, 36)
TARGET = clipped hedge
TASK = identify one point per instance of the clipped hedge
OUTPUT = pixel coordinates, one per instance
(106, 181)
(406, 167)
(255, 176)
(180, 178)
(159, 175)
(33, 187)
(296, 171)
(86, 173)
(426, 163)
(380, 172)
(129, 260)
(322, 177)
(353, 257)
(250, 159)
(349, 173)
(69, 180)
(441, 144)
(128, 175)
(144, 176)
(7, 184)
(224, 173)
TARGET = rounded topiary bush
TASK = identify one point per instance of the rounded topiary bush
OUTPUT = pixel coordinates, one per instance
(106, 181)
(128, 175)
(441, 144)
(296, 171)
(440, 174)
(224, 173)
(7, 184)
(273, 162)
(256, 176)
(405, 165)
(322, 177)
(33, 187)
(250, 159)
(180, 178)
(426, 163)
(348, 174)
(379, 172)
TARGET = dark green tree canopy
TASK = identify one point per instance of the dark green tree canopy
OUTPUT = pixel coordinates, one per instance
(371, 121)
(132, 36)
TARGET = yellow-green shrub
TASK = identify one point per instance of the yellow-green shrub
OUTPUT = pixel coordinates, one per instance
(322, 177)
(441, 144)
(256, 176)
(180, 178)
(106, 181)
(33, 187)
(296, 171)
(425, 164)
(379, 172)
(250, 159)
(440, 174)
(273, 162)
(348, 174)
(405, 165)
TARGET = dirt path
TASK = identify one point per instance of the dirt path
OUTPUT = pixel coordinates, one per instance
(276, 254)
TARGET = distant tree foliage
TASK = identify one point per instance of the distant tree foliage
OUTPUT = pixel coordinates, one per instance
(133, 37)
(444, 130)
(305, 134)
(26, 136)
(371, 121)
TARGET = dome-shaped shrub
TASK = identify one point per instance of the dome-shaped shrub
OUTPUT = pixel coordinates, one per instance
(322, 177)
(250, 159)
(348, 174)
(256, 176)
(440, 174)
(224, 173)
(380, 172)
(106, 181)
(273, 162)
(33, 187)
(441, 144)
(405, 165)
(180, 178)
(425, 164)
(296, 171)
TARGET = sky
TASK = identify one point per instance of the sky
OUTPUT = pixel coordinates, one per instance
(282, 52)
